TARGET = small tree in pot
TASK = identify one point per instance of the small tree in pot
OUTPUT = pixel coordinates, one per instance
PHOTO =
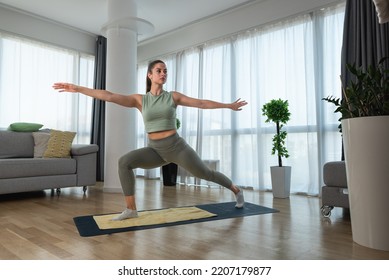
(277, 111)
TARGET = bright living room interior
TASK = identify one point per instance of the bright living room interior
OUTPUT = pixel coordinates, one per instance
(320, 244)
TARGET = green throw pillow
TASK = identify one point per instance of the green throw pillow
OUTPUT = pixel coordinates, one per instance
(25, 127)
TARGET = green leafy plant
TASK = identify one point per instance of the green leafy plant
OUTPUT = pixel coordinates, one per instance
(277, 111)
(367, 94)
(178, 123)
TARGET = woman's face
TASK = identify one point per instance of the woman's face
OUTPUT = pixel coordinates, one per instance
(158, 74)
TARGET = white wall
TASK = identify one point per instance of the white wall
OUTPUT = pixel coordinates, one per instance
(250, 16)
(14, 22)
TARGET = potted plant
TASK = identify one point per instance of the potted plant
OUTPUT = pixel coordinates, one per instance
(365, 128)
(169, 171)
(277, 111)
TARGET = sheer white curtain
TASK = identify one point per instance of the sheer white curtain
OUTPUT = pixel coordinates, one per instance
(27, 71)
(297, 60)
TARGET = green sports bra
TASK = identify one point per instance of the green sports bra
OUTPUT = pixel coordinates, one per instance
(159, 112)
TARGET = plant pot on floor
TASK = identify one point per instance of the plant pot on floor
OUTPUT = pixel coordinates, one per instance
(367, 159)
(280, 180)
(169, 174)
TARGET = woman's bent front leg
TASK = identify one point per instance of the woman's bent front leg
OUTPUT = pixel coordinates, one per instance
(145, 158)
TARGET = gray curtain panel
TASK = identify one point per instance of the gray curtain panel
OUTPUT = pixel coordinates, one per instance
(365, 40)
(98, 110)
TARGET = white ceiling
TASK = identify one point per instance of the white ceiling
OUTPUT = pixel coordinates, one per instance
(91, 15)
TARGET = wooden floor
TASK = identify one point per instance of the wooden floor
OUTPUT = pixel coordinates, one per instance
(38, 226)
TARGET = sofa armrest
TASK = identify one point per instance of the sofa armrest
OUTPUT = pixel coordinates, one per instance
(334, 174)
(86, 156)
(83, 149)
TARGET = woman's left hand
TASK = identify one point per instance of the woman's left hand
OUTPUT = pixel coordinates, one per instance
(238, 104)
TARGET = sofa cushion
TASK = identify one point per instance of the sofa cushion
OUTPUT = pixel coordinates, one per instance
(25, 127)
(33, 167)
(40, 139)
(60, 144)
(16, 144)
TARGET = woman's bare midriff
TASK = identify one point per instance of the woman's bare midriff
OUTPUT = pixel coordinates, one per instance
(161, 134)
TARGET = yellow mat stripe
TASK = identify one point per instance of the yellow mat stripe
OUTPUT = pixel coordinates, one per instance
(154, 217)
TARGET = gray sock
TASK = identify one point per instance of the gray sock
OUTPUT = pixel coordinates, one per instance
(126, 214)
(239, 199)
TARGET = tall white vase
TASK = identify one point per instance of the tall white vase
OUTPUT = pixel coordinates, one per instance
(280, 181)
(366, 145)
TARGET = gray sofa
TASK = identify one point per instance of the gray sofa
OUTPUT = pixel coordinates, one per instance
(21, 172)
(335, 191)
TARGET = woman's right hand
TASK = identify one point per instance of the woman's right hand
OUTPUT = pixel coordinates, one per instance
(65, 87)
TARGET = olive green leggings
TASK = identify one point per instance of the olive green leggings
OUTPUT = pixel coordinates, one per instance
(160, 152)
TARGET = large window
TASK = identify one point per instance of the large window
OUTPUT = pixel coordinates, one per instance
(297, 60)
(27, 71)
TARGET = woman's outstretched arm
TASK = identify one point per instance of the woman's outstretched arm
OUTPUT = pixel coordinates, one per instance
(132, 100)
(183, 100)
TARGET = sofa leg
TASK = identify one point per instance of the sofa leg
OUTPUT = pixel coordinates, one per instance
(84, 188)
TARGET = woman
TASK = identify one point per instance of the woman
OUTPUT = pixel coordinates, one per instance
(158, 108)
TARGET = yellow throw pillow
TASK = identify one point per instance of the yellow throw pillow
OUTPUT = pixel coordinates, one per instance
(60, 144)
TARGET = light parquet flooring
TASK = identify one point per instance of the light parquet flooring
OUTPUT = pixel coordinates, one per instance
(38, 226)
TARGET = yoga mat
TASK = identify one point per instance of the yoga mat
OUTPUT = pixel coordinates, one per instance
(87, 225)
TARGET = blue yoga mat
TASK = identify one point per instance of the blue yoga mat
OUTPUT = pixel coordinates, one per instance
(87, 226)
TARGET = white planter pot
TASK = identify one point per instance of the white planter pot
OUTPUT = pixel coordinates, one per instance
(280, 181)
(367, 160)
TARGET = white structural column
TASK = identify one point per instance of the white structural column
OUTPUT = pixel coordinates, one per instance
(120, 133)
